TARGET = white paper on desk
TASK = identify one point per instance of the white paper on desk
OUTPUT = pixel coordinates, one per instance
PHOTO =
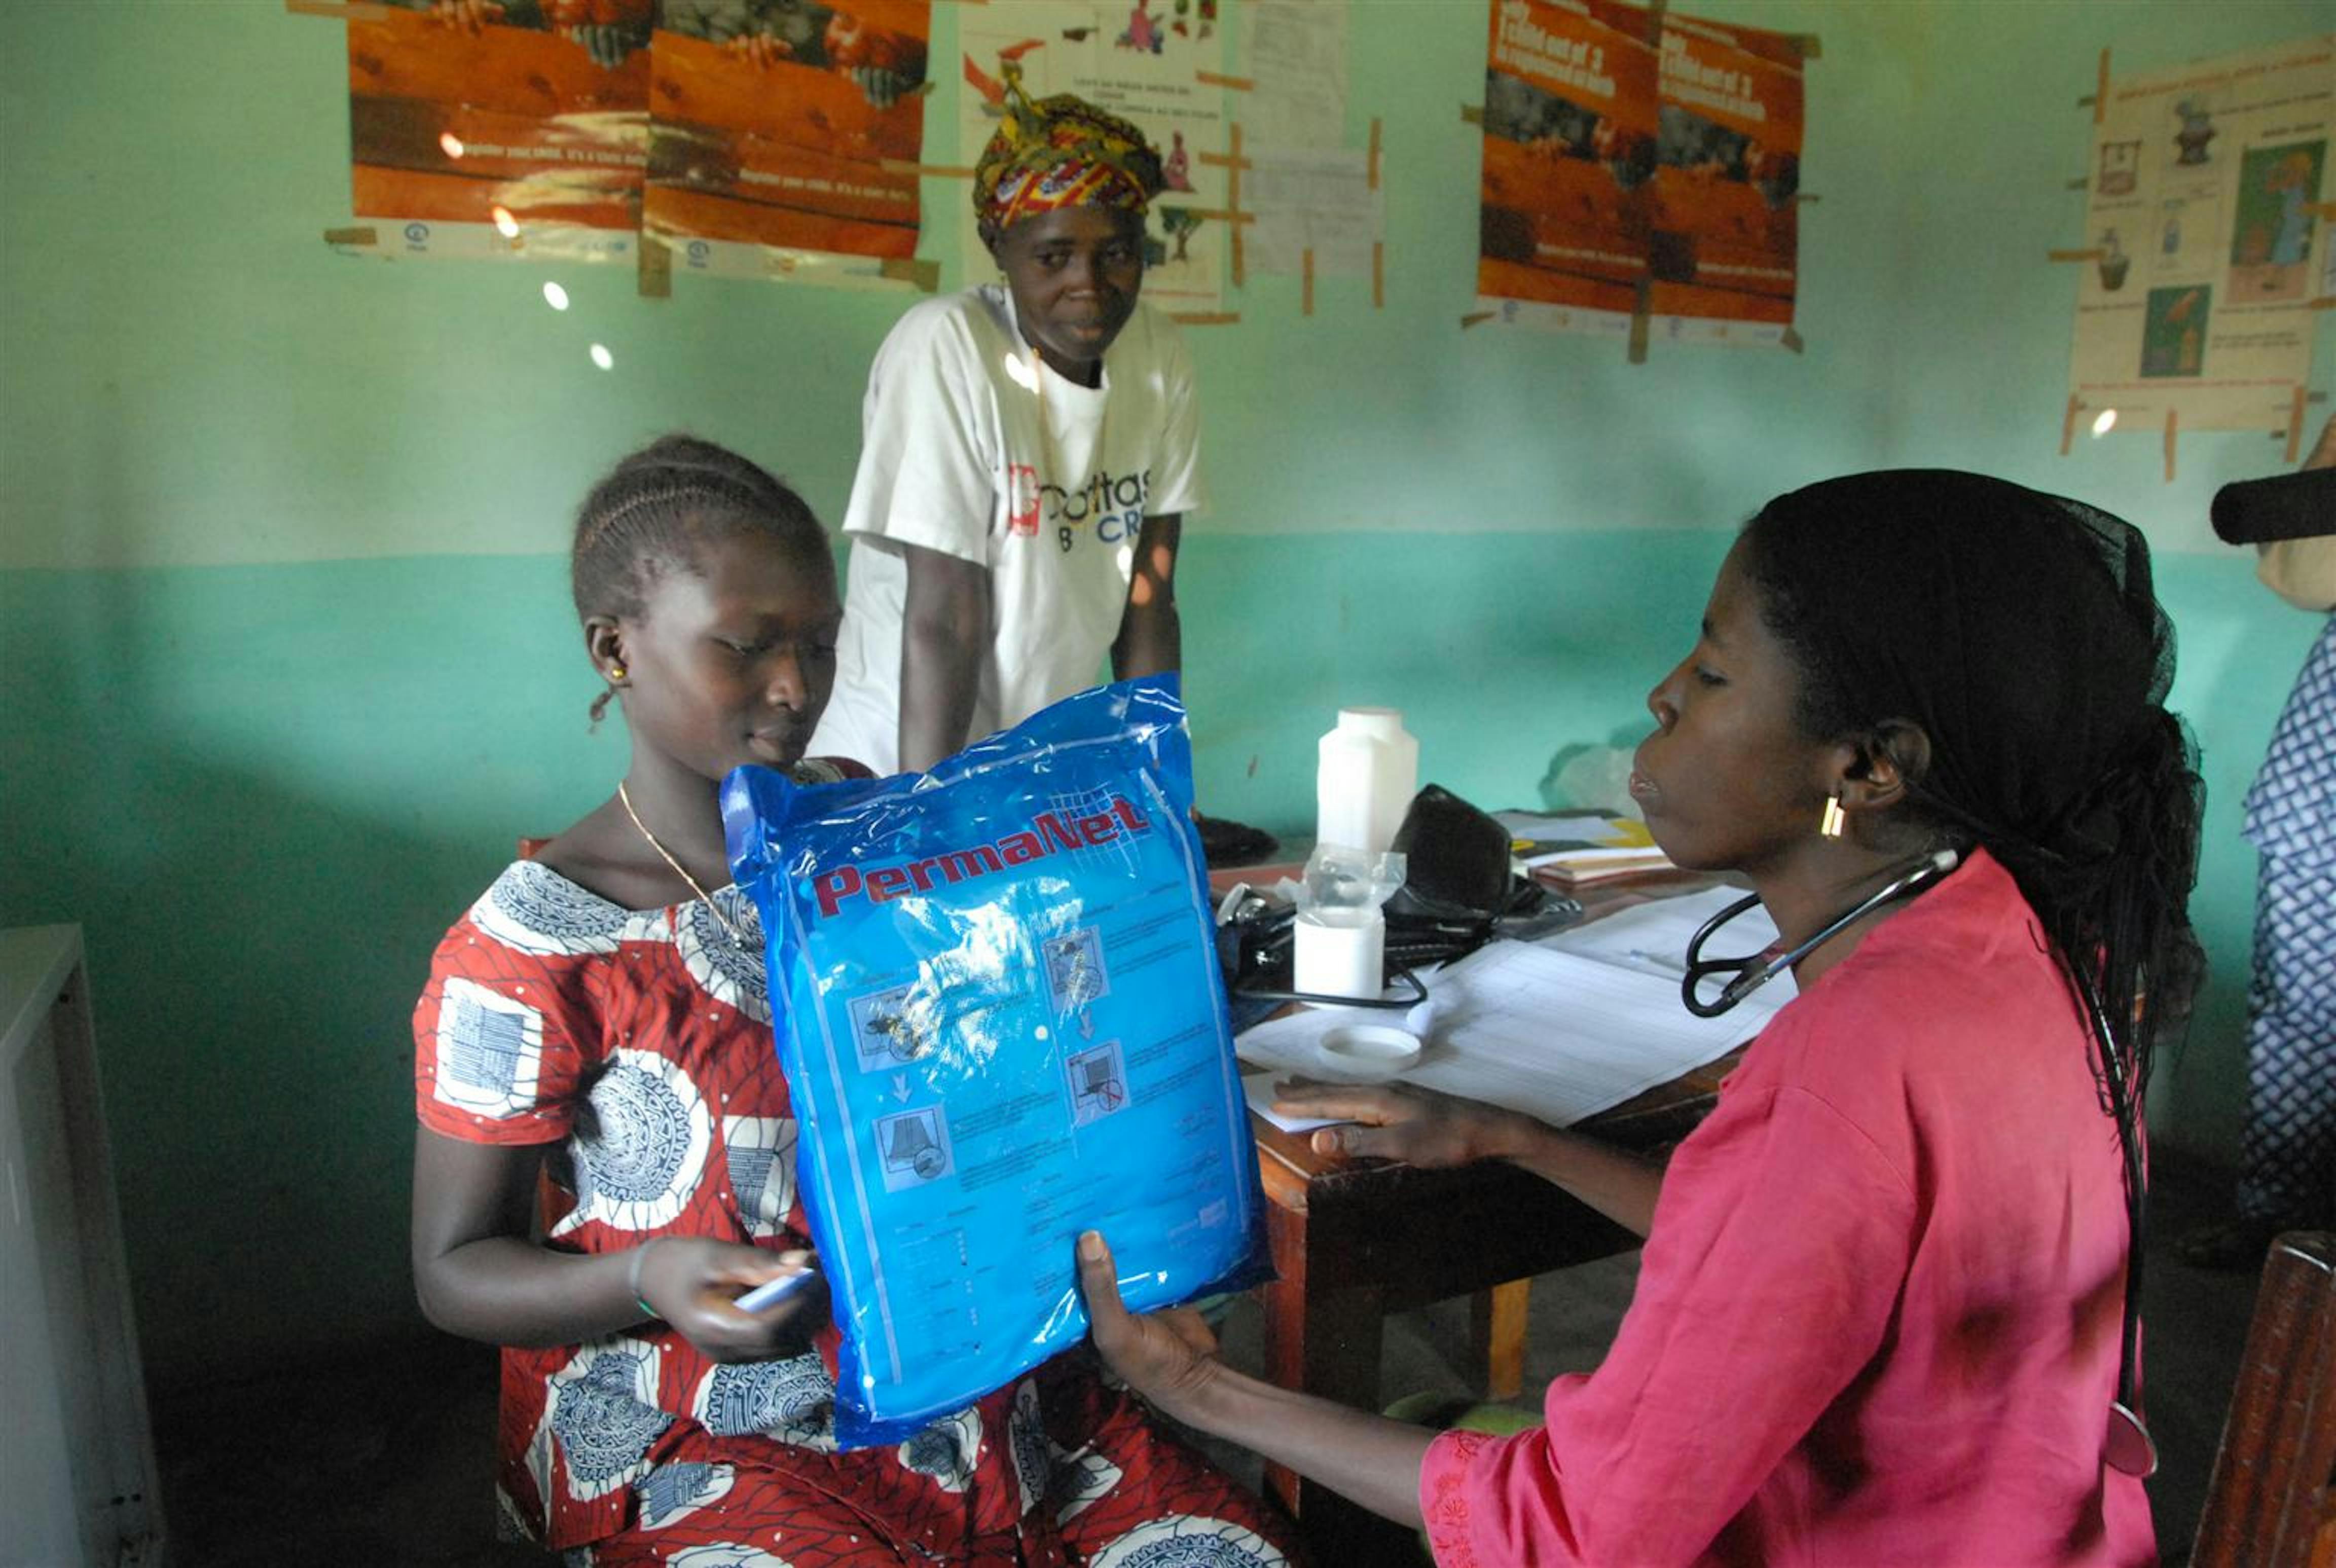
(1587, 825)
(1287, 1044)
(1564, 1037)
(1652, 938)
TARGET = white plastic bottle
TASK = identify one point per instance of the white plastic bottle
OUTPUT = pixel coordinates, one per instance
(1369, 772)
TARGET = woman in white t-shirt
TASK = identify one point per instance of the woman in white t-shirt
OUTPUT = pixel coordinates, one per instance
(1028, 450)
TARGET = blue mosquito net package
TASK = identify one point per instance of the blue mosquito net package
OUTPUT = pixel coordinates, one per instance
(1002, 1023)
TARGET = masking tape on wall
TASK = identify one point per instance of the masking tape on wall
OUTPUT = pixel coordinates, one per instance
(922, 271)
(655, 280)
(341, 10)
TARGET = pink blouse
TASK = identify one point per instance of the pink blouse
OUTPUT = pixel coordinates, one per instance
(1877, 1318)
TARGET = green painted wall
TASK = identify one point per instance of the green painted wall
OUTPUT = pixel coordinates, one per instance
(287, 654)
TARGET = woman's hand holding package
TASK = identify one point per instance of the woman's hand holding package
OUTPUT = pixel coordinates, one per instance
(1166, 1356)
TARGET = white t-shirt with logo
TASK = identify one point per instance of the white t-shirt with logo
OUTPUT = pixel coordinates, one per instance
(971, 446)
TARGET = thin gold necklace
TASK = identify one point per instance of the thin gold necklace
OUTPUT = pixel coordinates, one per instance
(736, 935)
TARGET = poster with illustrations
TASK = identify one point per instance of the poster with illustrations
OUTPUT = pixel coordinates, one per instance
(2204, 217)
(1140, 59)
(484, 128)
(1631, 167)
(1567, 193)
(1725, 247)
(784, 137)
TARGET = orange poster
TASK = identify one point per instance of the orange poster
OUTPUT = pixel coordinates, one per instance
(1634, 165)
(486, 129)
(1725, 239)
(785, 136)
(1570, 139)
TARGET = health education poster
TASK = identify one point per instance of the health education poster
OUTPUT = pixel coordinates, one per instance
(1571, 135)
(2197, 303)
(785, 138)
(480, 129)
(1726, 244)
(1154, 61)
(1629, 169)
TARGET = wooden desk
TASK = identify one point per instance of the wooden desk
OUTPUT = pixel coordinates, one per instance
(1355, 1239)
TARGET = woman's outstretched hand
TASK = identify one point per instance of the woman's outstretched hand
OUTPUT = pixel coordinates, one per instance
(1418, 1127)
(693, 1284)
(1167, 1357)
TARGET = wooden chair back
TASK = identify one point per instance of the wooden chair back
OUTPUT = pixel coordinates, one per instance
(2271, 1500)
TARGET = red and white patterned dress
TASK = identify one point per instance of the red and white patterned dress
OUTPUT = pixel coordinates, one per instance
(637, 1044)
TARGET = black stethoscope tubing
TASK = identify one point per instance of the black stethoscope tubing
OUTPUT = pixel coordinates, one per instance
(2131, 1449)
(1405, 978)
(1756, 969)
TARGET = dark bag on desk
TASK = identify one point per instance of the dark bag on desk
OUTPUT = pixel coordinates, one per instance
(1456, 861)
(1457, 882)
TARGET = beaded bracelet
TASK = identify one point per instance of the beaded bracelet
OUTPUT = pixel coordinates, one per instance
(633, 1276)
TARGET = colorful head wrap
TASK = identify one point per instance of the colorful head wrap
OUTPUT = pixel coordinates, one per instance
(1056, 152)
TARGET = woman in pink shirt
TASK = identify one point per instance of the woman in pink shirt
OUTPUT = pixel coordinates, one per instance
(1883, 1312)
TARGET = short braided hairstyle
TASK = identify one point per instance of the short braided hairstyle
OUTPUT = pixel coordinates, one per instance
(648, 516)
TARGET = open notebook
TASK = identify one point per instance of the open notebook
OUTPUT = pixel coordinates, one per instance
(1562, 1028)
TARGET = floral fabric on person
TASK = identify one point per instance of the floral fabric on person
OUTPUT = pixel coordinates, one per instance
(638, 1044)
(1061, 152)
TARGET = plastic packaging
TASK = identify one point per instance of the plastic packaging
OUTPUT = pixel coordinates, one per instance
(1002, 1021)
(1367, 773)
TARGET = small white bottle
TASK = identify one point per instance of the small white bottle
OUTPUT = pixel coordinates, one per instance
(1369, 772)
(1339, 953)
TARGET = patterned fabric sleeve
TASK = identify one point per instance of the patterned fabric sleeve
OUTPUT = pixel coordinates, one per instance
(495, 1057)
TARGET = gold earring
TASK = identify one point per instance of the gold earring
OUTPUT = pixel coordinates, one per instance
(1829, 826)
(616, 673)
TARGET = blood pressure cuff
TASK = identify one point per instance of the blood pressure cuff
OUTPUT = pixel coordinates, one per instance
(998, 1005)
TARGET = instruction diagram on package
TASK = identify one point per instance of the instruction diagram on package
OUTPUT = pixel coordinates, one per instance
(1076, 978)
(915, 1147)
(1098, 1083)
(888, 1030)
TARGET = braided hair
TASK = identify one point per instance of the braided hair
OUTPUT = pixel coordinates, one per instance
(2019, 632)
(648, 516)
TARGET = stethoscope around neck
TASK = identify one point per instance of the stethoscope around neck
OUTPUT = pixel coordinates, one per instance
(1750, 973)
(2128, 1447)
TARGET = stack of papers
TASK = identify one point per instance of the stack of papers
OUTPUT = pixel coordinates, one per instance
(1584, 847)
(1562, 1028)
